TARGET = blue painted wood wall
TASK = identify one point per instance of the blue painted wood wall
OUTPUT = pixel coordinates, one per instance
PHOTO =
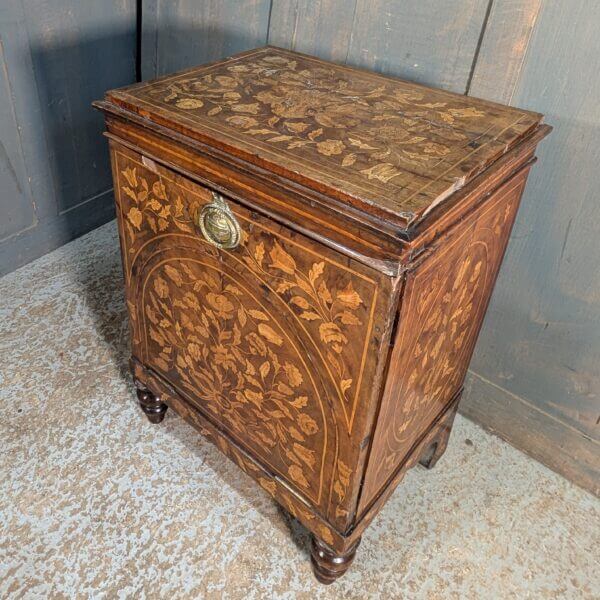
(55, 58)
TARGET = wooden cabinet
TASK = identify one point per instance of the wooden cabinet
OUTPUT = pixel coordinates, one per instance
(309, 251)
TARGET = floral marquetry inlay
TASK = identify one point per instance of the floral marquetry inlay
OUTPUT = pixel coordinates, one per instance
(222, 343)
(232, 327)
(324, 298)
(392, 143)
(446, 305)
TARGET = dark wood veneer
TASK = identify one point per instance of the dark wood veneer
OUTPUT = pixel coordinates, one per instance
(151, 404)
(327, 564)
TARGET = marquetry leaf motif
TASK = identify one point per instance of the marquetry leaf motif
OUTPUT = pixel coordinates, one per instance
(130, 176)
(297, 475)
(383, 172)
(342, 481)
(150, 204)
(330, 332)
(325, 533)
(300, 301)
(258, 314)
(259, 252)
(135, 217)
(330, 147)
(316, 271)
(232, 355)
(308, 293)
(349, 297)
(345, 384)
(349, 159)
(269, 334)
(387, 136)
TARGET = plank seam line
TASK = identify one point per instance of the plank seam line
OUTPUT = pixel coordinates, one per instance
(536, 408)
(268, 39)
(484, 25)
(351, 39)
(13, 110)
(85, 201)
(525, 53)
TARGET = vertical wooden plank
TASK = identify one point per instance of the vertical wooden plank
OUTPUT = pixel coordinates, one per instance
(149, 42)
(503, 48)
(319, 27)
(16, 205)
(79, 50)
(540, 343)
(192, 33)
(57, 58)
(427, 41)
(27, 114)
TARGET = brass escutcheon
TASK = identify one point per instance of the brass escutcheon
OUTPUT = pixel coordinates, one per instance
(218, 223)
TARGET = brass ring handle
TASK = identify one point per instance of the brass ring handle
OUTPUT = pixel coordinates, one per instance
(218, 223)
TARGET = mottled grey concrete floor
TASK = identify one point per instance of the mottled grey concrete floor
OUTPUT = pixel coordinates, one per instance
(95, 502)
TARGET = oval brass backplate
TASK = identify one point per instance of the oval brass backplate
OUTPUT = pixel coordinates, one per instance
(218, 224)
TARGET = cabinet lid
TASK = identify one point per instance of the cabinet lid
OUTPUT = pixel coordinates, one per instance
(385, 146)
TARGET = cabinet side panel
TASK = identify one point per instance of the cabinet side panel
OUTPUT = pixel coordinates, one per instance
(444, 304)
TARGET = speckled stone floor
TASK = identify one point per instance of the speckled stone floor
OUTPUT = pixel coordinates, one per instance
(95, 502)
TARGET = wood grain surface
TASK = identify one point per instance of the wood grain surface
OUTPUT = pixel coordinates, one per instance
(177, 34)
(383, 144)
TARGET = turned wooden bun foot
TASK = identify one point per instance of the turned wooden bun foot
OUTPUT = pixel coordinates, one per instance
(435, 450)
(327, 564)
(152, 406)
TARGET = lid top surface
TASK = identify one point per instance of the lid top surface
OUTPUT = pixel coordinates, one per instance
(389, 147)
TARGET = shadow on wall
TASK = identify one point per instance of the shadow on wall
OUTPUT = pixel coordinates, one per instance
(66, 174)
(69, 78)
(176, 47)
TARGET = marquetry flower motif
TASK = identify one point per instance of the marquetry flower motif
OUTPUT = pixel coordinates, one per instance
(150, 204)
(242, 121)
(205, 328)
(330, 312)
(293, 104)
(189, 103)
(330, 147)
